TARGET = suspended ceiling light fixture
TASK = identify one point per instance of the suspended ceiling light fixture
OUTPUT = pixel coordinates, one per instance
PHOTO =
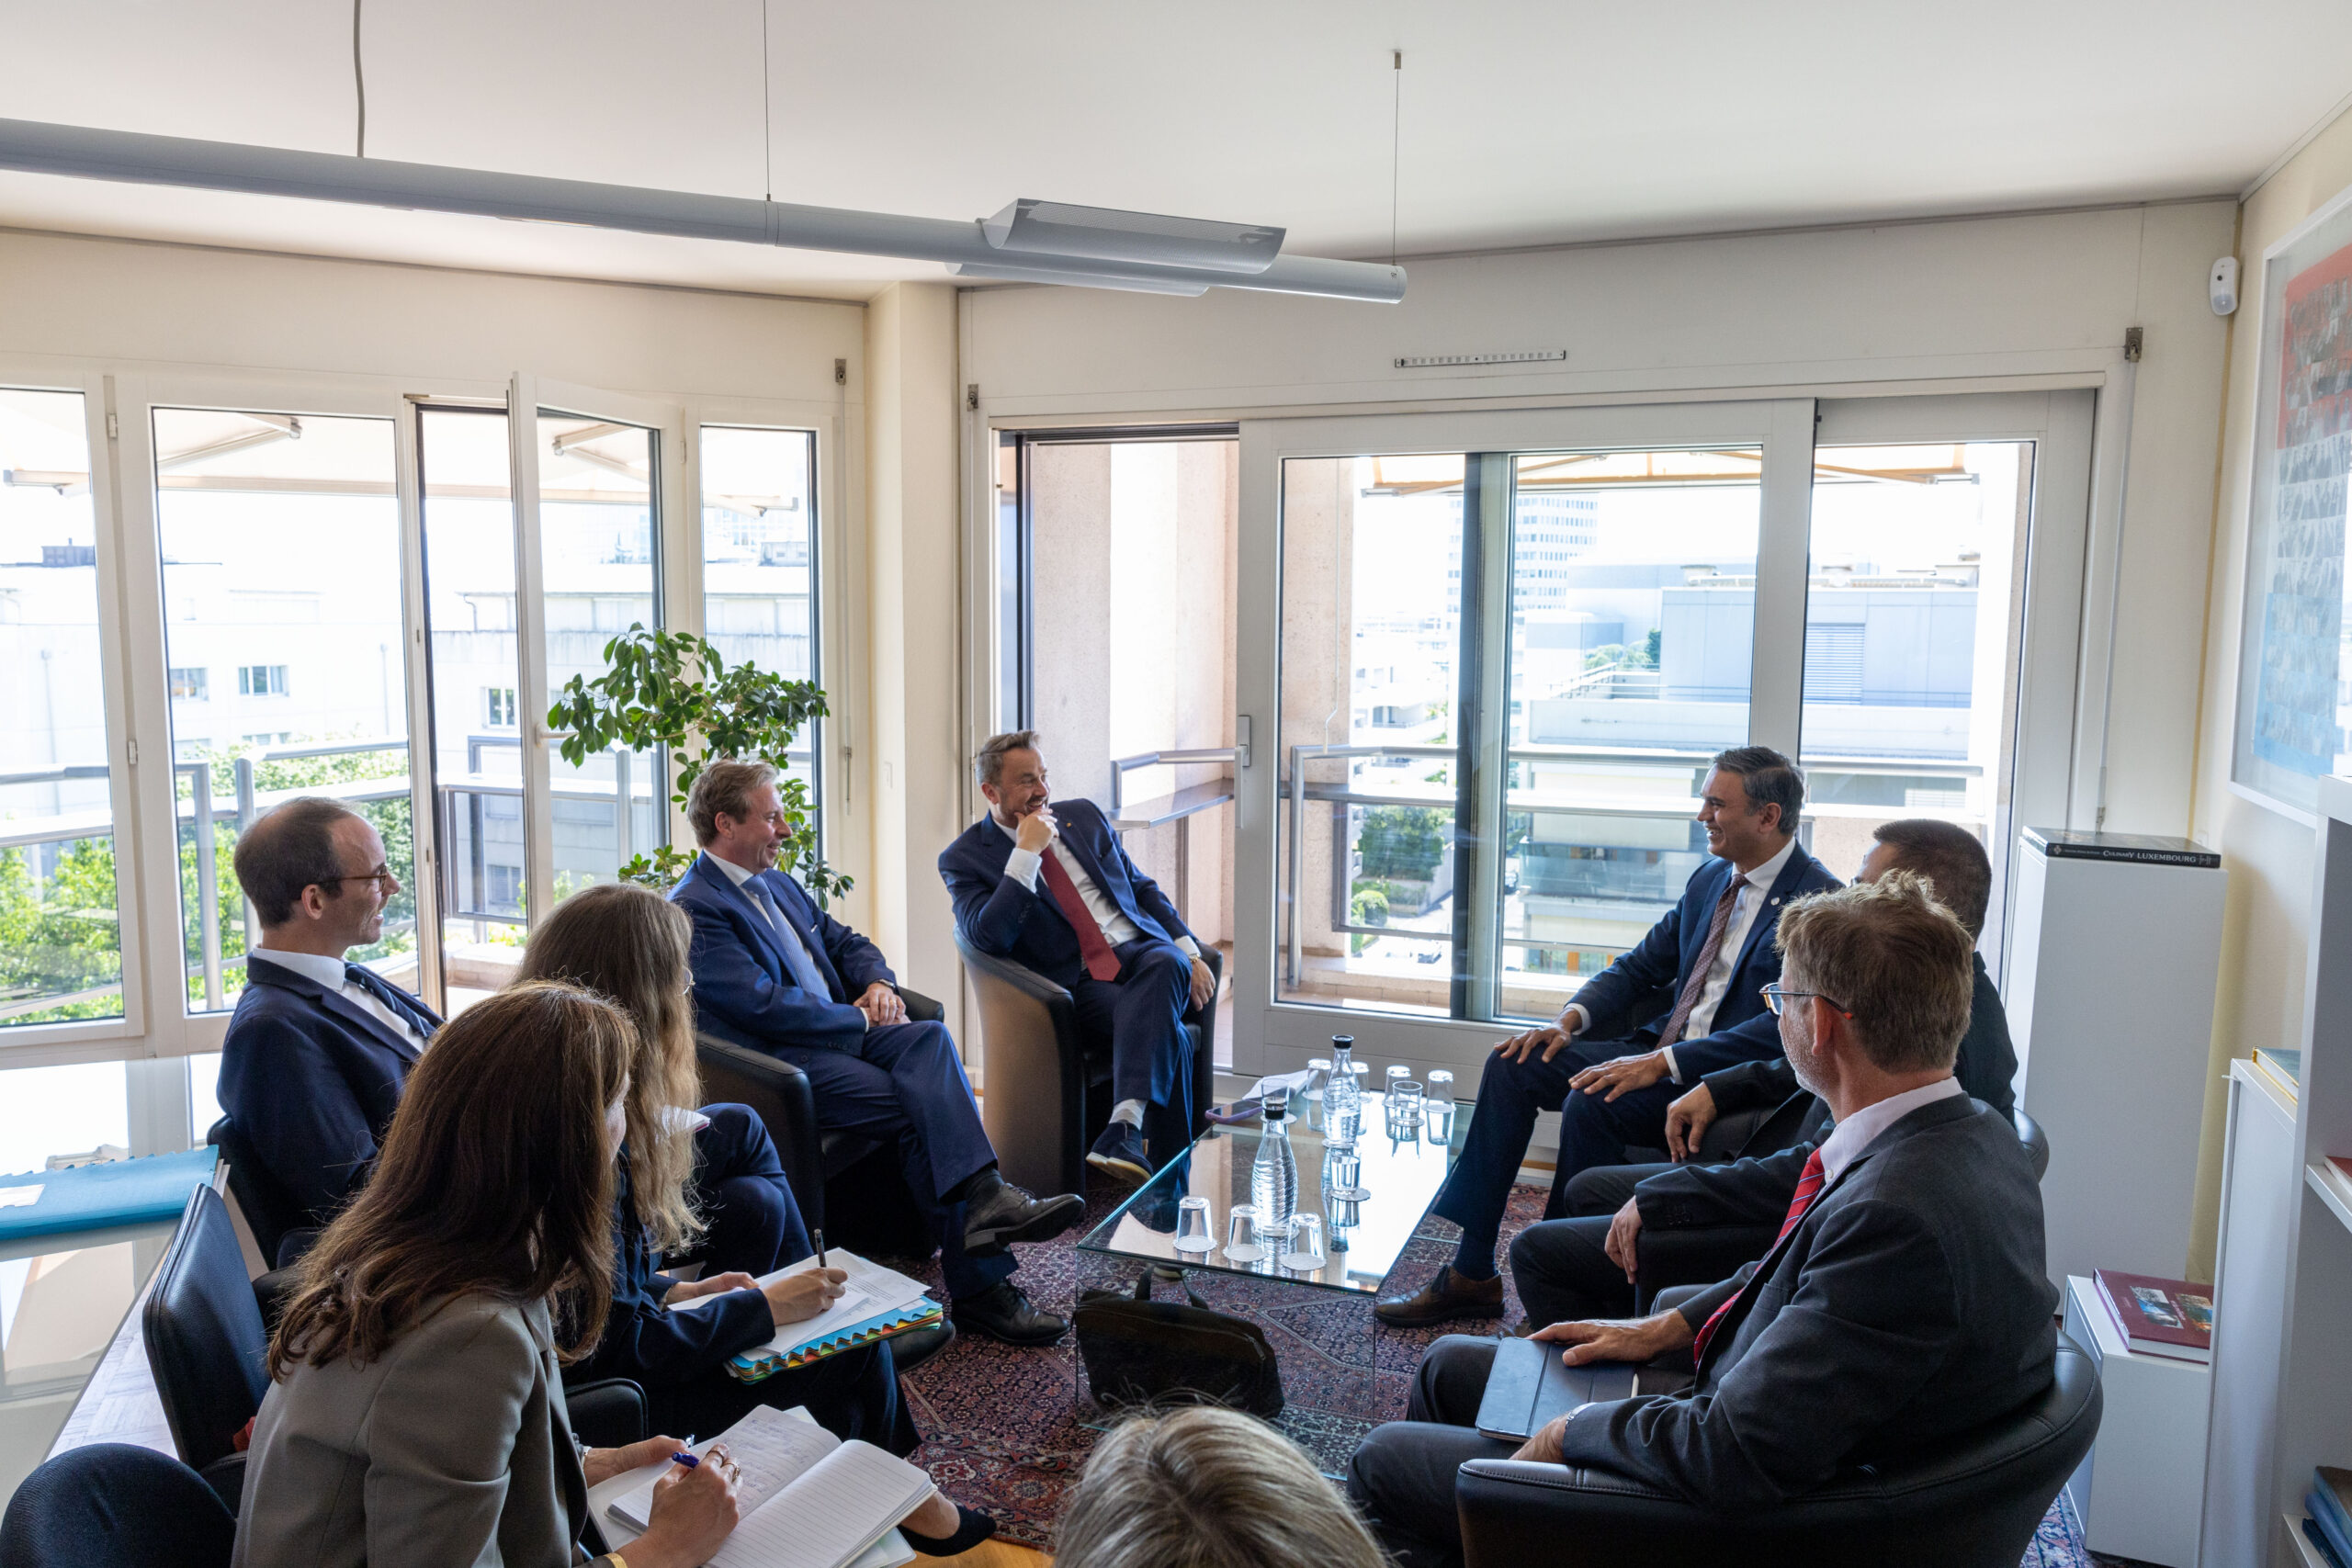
(1030, 241)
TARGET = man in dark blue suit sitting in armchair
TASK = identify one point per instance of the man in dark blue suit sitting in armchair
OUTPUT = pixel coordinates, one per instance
(1665, 1013)
(318, 1049)
(1051, 887)
(774, 972)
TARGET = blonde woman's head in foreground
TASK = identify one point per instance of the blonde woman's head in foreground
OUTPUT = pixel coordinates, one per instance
(1207, 1487)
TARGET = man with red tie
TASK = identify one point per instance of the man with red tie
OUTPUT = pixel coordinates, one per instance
(1904, 1302)
(1049, 886)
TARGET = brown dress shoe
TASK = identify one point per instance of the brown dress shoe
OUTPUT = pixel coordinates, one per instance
(1444, 1298)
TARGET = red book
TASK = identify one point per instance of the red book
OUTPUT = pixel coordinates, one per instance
(2160, 1317)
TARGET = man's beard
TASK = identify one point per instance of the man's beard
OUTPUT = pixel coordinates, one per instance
(1799, 1058)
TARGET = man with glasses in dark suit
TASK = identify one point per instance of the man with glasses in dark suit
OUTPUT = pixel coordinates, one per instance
(318, 1048)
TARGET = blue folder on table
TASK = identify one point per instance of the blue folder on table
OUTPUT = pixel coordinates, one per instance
(90, 1197)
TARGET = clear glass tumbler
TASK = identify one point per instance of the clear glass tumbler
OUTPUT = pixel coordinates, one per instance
(1303, 1251)
(1242, 1244)
(1439, 1107)
(1404, 1107)
(1192, 1225)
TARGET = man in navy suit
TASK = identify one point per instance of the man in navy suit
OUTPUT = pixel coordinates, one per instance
(318, 1049)
(1667, 1011)
(1903, 1303)
(774, 972)
(1052, 888)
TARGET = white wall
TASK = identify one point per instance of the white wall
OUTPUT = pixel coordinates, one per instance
(2265, 937)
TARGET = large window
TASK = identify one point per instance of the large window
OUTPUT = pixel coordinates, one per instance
(60, 947)
(759, 559)
(279, 536)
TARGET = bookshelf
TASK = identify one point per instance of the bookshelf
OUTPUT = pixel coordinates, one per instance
(2282, 1354)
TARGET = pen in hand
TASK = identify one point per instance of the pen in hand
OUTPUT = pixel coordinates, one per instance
(821, 1249)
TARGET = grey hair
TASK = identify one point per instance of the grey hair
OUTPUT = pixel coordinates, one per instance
(1207, 1487)
(988, 766)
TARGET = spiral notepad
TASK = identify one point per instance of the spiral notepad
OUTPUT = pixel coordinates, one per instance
(766, 1361)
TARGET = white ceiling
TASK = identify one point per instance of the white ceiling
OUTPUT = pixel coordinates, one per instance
(1523, 122)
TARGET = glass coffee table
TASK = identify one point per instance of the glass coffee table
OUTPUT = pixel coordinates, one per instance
(1318, 1319)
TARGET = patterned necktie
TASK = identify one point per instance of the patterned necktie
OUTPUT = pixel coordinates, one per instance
(1808, 1189)
(1708, 950)
(386, 998)
(795, 951)
(1101, 962)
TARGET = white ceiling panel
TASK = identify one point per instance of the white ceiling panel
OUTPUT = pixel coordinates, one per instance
(1523, 123)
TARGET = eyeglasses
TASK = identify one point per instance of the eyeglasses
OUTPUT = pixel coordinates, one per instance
(1777, 998)
(382, 875)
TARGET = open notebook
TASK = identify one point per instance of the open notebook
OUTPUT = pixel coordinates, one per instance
(870, 1292)
(807, 1498)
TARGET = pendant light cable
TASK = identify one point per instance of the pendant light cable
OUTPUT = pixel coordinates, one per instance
(1396, 141)
(358, 77)
(768, 102)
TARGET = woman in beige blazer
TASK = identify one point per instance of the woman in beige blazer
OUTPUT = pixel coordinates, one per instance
(416, 1416)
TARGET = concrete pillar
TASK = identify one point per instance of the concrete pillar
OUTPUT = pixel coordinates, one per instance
(912, 760)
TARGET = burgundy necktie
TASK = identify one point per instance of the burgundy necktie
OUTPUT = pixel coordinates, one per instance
(1101, 962)
(1808, 1189)
(1696, 981)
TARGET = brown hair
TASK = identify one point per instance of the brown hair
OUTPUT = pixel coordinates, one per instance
(630, 943)
(1950, 857)
(1207, 1487)
(290, 849)
(495, 1180)
(724, 788)
(1891, 956)
(988, 766)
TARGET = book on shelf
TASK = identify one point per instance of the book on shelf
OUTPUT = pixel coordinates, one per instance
(2159, 1317)
(2316, 1533)
(2329, 1503)
(2282, 1066)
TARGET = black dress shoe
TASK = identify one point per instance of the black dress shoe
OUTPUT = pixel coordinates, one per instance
(1003, 1312)
(971, 1529)
(1005, 1214)
(916, 1346)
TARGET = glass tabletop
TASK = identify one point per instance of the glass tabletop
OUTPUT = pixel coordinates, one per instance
(1361, 1239)
(66, 1316)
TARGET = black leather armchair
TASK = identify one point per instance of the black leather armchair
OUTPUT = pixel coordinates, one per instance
(847, 1185)
(270, 1211)
(1700, 1254)
(205, 1343)
(1974, 1502)
(1047, 1094)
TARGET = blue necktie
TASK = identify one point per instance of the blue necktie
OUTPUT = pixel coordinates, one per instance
(795, 951)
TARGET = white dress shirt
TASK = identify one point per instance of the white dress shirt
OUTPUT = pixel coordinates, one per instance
(1022, 865)
(1856, 1133)
(1745, 904)
(329, 974)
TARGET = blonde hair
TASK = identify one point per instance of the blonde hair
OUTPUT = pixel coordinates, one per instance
(630, 943)
(1207, 1487)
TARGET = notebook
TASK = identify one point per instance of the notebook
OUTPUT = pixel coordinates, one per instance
(870, 1293)
(1528, 1388)
(807, 1498)
(751, 1366)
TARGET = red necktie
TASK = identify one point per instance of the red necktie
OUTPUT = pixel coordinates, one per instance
(1101, 962)
(1700, 970)
(1808, 1189)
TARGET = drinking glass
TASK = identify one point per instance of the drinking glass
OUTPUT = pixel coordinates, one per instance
(1192, 1225)
(1397, 1070)
(1241, 1242)
(1403, 1104)
(1303, 1251)
(1439, 1108)
(1343, 1174)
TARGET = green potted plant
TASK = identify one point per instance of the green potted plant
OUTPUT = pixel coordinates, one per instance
(674, 691)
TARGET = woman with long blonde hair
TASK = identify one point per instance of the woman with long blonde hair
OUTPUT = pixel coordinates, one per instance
(630, 944)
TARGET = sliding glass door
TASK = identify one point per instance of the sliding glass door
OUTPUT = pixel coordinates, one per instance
(1497, 652)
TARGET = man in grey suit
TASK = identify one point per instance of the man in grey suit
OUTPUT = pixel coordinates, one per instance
(1905, 1301)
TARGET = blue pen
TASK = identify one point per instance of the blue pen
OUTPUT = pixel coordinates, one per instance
(682, 1457)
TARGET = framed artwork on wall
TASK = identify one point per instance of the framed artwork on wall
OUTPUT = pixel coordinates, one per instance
(2294, 675)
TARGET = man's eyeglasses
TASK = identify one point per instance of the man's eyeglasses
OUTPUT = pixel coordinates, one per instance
(1778, 997)
(382, 875)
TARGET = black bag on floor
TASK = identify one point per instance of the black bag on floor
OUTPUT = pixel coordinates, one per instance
(1140, 1351)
